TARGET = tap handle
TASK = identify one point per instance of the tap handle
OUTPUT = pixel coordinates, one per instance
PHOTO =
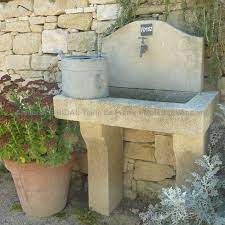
(142, 39)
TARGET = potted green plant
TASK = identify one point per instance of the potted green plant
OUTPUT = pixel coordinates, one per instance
(36, 148)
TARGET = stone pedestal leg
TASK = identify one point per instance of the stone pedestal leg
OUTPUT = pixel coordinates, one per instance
(105, 166)
(187, 149)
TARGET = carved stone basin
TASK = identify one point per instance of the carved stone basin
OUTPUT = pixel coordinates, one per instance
(151, 95)
(192, 118)
(162, 91)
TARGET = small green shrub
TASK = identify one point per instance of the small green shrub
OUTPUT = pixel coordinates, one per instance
(61, 215)
(86, 216)
(216, 144)
(198, 203)
(28, 130)
(15, 207)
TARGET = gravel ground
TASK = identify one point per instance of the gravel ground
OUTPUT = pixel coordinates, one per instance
(77, 201)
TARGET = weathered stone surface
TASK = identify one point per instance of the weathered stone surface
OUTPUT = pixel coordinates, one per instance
(27, 4)
(36, 20)
(102, 2)
(18, 62)
(142, 151)
(51, 19)
(28, 43)
(105, 165)
(54, 41)
(158, 7)
(164, 153)
(19, 26)
(150, 9)
(57, 7)
(152, 189)
(74, 11)
(82, 41)
(102, 26)
(107, 12)
(36, 28)
(2, 60)
(2, 26)
(94, 24)
(176, 19)
(187, 149)
(16, 8)
(133, 135)
(42, 62)
(149, 171)
(5, 42)
(81, 3)
(80, 21)
(50, 26)
(23, 18)
(89, 9)
(30, 74)
(9, 20)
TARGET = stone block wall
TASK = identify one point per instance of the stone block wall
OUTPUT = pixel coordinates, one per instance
(149, 163)
(32, 32)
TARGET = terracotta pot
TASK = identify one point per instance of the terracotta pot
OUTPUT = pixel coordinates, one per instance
(42, 190)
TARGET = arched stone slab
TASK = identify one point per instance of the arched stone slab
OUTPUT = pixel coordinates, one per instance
(174, 60)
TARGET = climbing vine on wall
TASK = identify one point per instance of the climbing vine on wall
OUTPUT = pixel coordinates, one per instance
(210, 16)
(209, 22)
(127, 14)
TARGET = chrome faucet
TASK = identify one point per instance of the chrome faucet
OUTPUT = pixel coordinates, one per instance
(144, 46)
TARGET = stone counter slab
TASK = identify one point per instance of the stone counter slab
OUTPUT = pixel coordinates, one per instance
(193, 117)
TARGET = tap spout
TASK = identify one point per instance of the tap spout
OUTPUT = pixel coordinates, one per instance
(143, 46)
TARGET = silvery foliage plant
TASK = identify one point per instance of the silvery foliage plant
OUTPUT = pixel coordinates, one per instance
(216, 143)
(197, 203)
(221, 114)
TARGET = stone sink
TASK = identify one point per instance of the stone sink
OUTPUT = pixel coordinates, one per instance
(157, 88)
(192, 117)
